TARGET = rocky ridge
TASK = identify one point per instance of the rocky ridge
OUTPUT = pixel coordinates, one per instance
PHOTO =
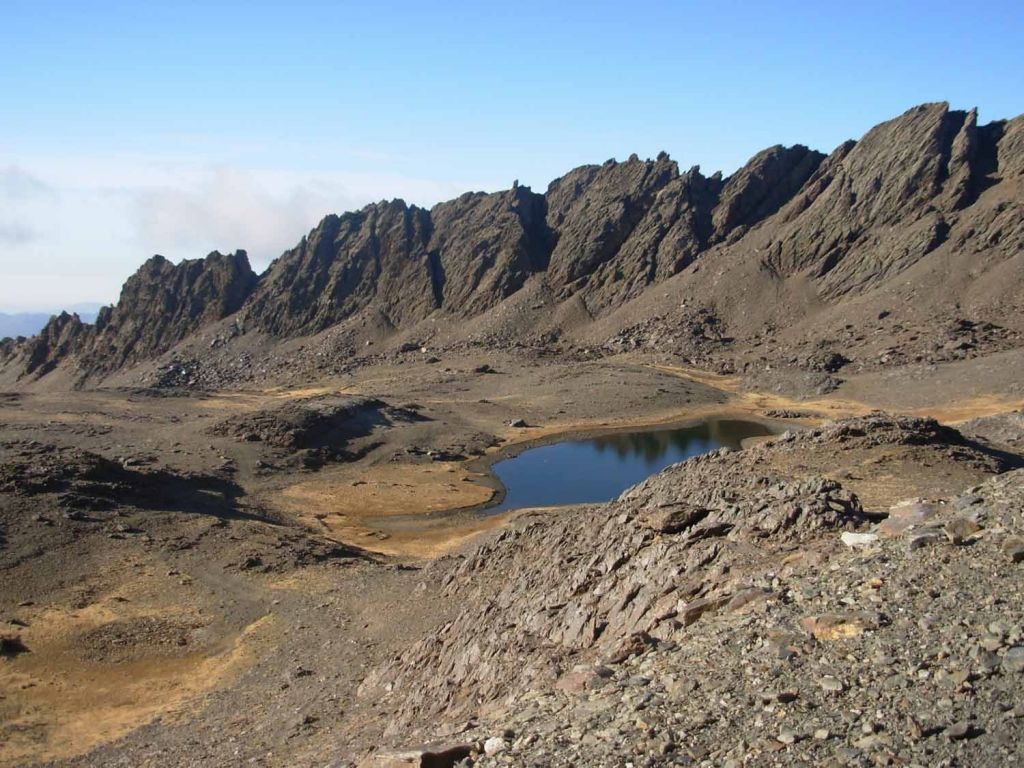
(160, 305)
(813, 231)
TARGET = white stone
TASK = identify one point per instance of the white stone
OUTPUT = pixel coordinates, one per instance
(854, 540)
(494, 745)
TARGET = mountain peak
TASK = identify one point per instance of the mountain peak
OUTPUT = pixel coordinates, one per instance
(600, 234)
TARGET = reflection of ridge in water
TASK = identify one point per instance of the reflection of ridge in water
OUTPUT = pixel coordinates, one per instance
(601, 468)
(654, 445)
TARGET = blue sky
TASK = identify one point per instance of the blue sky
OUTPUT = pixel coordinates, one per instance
(128, 129)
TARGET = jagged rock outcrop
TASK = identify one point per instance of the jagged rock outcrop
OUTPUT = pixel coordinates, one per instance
(376, 256)
(675, 230)
(875, 208)
(689, 214)
(1010, 147)
(762, 186)
(594, 209)
(484, 247)
(63, 336)
(160, 305)
(465, 256)
(931, 180)
(163, 303)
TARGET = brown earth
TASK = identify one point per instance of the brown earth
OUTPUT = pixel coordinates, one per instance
(174, 580)
(240, 516)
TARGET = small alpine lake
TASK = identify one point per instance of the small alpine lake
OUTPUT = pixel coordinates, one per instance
(600, 468)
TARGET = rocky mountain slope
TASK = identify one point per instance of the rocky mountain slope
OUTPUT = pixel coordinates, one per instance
(740, 610)
(160, 305)
(930, 199)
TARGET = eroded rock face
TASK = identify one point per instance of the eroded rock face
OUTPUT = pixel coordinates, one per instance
(676, 228)
(593, 210)
(376, 256)
(761, 187)
(63, 336)
(465, 256)
(875, 208)
(160, 305)
(484, 247)
(623, 227)
(1010, 147)
(831, 228)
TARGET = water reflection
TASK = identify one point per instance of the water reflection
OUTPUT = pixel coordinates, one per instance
(601, 468)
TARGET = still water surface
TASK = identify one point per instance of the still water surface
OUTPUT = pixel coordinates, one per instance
(601, 468)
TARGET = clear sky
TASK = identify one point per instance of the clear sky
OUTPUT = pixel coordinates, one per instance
(133, 128)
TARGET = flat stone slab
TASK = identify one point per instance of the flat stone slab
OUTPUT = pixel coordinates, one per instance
(907, 515)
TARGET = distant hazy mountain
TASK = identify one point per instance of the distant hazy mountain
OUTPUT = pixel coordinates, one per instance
(31, 323)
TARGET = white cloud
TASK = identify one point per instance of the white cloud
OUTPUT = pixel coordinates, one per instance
(74, 227)
(228, 209)
(13, 233)
(264, 212)
(17, 185)
(19, 190)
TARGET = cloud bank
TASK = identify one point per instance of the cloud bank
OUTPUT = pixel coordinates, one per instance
(72, 228)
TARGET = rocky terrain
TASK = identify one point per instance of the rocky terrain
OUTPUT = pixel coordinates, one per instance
(899, 645)
(862, 254)
(244, 518)
(160, 305)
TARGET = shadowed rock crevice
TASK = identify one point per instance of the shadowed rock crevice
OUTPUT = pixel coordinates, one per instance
(437, 277)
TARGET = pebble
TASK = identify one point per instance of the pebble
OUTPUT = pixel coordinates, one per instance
(914, 730)
(869, 742)
(960, 529)
(831, 684)
(959, 731)
(494, 745)
(989, 662)
(1013, 659)
(1013, 546)
(991, 642)
(924, 538)
(787, 736)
